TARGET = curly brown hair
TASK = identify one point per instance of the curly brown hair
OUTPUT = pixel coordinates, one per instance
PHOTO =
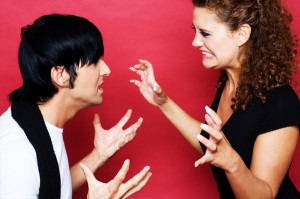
(270, 60)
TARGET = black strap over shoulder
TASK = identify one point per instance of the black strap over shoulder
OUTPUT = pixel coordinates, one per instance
(30, 119)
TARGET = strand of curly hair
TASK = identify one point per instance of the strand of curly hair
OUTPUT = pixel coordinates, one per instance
(270, 61)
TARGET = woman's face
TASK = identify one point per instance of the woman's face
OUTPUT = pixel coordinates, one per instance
(218, 45)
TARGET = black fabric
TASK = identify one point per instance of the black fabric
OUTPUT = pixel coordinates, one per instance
(30, 119)
(282, 109)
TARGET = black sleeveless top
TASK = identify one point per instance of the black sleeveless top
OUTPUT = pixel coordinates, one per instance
(282, 109)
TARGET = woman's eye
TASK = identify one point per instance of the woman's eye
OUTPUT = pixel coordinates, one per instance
(204, 34)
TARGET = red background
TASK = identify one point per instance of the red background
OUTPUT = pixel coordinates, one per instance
(159, 31)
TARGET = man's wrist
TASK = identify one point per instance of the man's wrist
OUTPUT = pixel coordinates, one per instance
(95, 161)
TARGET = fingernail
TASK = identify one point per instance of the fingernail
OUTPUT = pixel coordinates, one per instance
(199, 137)
(196, 164)
(155, 88)
(202, 126)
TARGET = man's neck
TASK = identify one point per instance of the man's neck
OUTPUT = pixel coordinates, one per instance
(57, 111)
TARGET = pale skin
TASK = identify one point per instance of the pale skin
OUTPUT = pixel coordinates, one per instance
(66, 103)
(115, 188)
(106, 144)
(272, 152)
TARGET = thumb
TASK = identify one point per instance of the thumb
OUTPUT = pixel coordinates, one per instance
(88, 173)
(97, 122)
(161, 96)
(156, 88)
(204, 159)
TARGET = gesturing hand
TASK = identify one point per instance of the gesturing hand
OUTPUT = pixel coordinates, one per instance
(218, 150)
(148, 86)
(115, 189)
(108, 142)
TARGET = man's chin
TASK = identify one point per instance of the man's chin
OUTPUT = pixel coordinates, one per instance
(98, 102)
(95, 103)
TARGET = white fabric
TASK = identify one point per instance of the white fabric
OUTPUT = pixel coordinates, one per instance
(19, 174)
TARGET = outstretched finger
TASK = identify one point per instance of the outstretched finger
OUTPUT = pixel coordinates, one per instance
(209, 121)
(137, 69)
(114, 184)
(149, 69)
(141, 184)
(203, 160)
(125, 118)
(136, 82)
(214, 117)
(206, 142)
(136, 183)
(134, 126)
(145, 63)
(127, 138)
(140, 66)
(212, 132)
(130, 133)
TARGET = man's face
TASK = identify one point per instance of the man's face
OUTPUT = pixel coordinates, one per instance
(87, 89)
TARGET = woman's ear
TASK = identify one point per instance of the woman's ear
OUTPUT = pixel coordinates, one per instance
(59, 76)
(244, 32)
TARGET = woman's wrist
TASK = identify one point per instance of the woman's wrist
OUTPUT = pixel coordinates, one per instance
(235, 164)
(162, 103)
(160, 97)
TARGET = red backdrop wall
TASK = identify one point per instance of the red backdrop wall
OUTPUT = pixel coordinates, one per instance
(159, 31)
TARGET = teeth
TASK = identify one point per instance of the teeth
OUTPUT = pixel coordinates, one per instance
(206, 53)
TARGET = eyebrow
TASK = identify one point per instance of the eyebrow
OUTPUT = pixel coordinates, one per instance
(201, 29)
(204, 30)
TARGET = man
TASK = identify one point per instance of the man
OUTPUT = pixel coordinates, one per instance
(60, 59)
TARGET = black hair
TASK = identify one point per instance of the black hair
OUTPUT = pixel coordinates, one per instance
(54, 40)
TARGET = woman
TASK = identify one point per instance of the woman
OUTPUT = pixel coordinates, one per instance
(251, 130)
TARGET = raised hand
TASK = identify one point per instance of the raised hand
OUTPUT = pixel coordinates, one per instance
(219, 151)
(147, 85)
(115, 189)
(108, 142)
